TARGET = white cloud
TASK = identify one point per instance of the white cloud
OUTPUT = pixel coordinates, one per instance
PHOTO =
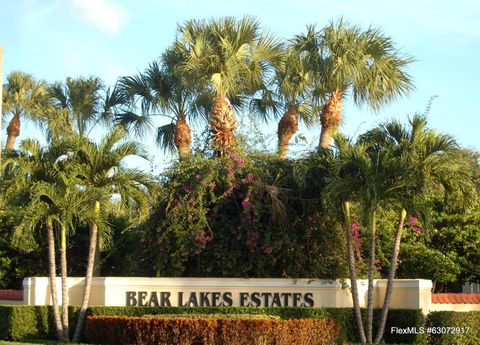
(103, 14)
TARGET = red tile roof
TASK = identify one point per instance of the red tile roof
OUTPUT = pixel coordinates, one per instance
(456, 298)
(12, 295)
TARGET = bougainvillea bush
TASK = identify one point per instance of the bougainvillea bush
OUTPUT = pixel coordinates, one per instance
(240, 216)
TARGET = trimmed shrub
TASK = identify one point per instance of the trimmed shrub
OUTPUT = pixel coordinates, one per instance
(401, 318)
(31, 322)
(25, 322)
(200, 331)
(454, 328)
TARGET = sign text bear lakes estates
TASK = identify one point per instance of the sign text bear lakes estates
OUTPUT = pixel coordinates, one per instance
(219, 299)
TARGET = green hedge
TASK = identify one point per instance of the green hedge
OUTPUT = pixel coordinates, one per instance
(25, 322)
(464, 328)
(35, 322)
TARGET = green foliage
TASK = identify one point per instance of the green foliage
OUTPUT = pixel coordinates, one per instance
(240, 216)
(26, 322)
(463, 328)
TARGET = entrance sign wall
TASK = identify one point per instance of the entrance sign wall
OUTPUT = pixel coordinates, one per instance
(261, 292)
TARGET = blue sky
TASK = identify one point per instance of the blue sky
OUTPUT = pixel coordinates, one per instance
(53, 39)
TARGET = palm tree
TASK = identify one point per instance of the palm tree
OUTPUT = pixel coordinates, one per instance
(427, 159)
(365, 64)
(162, 88)
(38, 181)
(23, 96)
(230, 57)
(80, 104)
(370, 178)
(292, 83)
(338, 195)
(103, 172)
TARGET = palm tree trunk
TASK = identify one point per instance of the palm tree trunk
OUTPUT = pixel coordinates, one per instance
(330, 118)
(88, 277)
(13, 131)
(353, 273)
(183, 137)
(53, 279)
(97, 264)
(371, 268)
(63, 266)
(391, 276)
(223, 124)
(287, 127)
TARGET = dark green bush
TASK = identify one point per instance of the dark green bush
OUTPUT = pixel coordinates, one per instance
(25, 322)
(28, 322)
(199, 331)
(464, 328)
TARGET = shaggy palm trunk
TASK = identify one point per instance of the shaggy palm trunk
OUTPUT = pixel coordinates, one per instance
(13, 131)
(391, 276)
(330, 118)
(371, 269)
(53, 279)
(183, 137)
(223, 124)
(63, 266)
(353, 273)
(287, 127)
(88, 277)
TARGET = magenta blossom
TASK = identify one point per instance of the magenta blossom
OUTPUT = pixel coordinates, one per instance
(355, 231)
(412, 220)
(245, 204)
(198, 176)
(268, 250)
(186, 189)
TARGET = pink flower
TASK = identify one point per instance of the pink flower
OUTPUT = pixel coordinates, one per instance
(412, 220)
(198, 176)
(197, 238)
(248, 178)
(239, 161)
(208, 238)
(355, 231)
(268, 250)
(186, 189)
(245, 204)
(418, 229)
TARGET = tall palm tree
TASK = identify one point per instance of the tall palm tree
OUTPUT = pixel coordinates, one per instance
(427, 159)
(338, 195)
(292, 92)
(80, 105)
(365, 64)
(162, 88)
(230, 57)
(23, 96)
(103, 172)
(38, 181)
(370, 178)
